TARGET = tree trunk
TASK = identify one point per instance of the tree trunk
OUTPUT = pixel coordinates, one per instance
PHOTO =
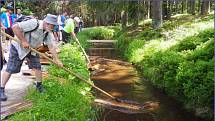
(136, 14)
(176, 7)
(199, 6)
(150, 9)
(118, 18)
(211, 6)
(165, 10)
(115, 18)
(192, 6)
(146, 6)
(182, 7)
(205, 7)
(171, 7)
(94, 18)
(157, 20)
(185, 6)
(124, 19)
(169, 11)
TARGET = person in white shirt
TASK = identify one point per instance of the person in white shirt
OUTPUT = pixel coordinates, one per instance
(76, 22)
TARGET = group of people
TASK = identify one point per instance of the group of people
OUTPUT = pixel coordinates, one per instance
(67, 25)
(41, 31)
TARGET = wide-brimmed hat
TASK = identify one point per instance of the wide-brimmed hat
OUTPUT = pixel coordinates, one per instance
(51, 19)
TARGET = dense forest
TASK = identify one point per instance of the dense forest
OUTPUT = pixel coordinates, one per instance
(111, 12)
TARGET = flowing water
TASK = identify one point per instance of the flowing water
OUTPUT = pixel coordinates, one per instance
(122, 80)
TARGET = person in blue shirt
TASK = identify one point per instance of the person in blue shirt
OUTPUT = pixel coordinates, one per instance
(63, 18)
(7, 21)
(61, 21)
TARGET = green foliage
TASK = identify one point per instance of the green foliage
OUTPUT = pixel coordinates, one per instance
(161, 69)
(62, 102)
(134, 45)
(149, 34)
(99, 33)
(191, 42)
(116, 29)
(26, 10)
(205, 51)
(177, 58)
(197, 80)
(122, 42)
(186, 74)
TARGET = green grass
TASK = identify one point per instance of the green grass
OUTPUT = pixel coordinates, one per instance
(68, 101)
(99, 33)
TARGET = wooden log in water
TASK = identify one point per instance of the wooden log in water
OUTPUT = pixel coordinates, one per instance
(128, 106)
(118, 104)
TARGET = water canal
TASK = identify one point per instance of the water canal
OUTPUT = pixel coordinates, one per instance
(122, 80)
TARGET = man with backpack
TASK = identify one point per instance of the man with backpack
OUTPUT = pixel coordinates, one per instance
(31, 33)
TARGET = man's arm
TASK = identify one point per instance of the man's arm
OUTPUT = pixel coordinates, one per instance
(55, 55)
(20, 35)
(52, 47)
(74, 36)
(2, 26)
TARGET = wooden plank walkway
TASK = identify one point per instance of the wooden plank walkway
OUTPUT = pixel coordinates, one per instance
(102, 41)
(14, 107)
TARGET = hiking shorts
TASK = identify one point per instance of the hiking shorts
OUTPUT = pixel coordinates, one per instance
(76, 30)
(65, 37)
(56, 28)
(14, 63)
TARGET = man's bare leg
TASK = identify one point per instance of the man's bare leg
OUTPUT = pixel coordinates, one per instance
(38, 74)
(5, 78)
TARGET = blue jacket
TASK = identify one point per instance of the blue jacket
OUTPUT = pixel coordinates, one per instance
(5, 21)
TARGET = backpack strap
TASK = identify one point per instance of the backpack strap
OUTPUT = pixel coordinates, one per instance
(47, 33)
(33, 30)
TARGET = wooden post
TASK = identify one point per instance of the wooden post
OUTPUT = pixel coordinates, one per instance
(14, 6)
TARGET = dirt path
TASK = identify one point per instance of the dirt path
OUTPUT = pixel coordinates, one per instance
(15, 89)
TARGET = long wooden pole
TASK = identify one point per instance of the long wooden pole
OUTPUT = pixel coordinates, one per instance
(64, 68)
(85, 54)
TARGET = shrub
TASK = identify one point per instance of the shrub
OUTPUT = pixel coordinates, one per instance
(191, 42)
(197, 82)
(177, 58)
(100, 33)
(69, 101)
(149, 34)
